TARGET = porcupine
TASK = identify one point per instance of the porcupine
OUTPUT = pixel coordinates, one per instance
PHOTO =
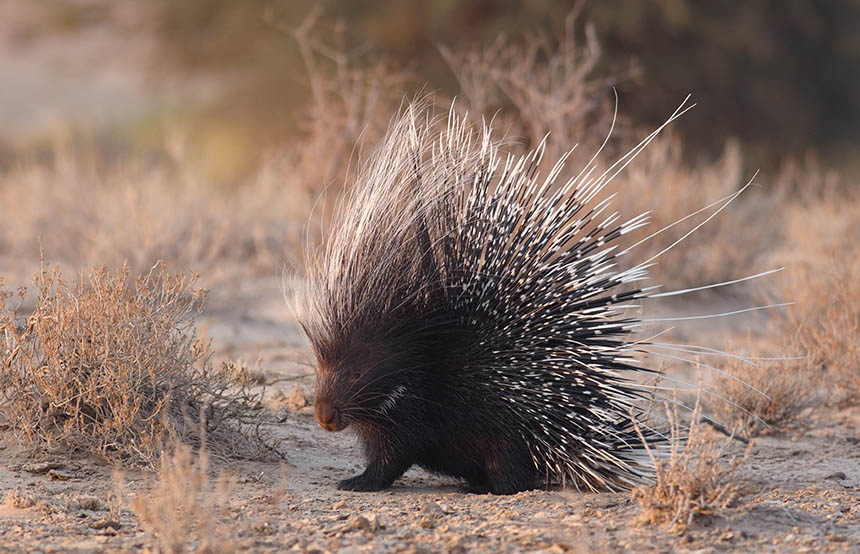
(468, 316)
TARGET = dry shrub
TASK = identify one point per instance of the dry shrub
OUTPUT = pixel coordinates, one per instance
(113, 368)
(20, 500)
(733, 244)
(93, 213)
(352, 100)
(182, 513)
(822, 277)
(829, 334)
(541, 85)
(689, 480)
(756, 396)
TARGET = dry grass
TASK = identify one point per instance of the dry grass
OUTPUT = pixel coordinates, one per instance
(113, 368)
(690, 480)
(821, 333)
(538, 85)
(92, 213)
(758, 396)
(828, 324)
(733, 244)
(183, 512)
(822, 256)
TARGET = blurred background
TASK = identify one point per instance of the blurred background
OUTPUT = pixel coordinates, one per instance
(781, 76)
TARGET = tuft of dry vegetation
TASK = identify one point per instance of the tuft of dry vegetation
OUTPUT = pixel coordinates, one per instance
(20, 500)
(542, 85)
(825, 324)
(829, 337)
(757, 397)
(114, 368)
(822, 257)
(182, 512)
(689, 478)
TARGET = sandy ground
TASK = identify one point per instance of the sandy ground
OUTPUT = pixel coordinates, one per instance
(800, 491)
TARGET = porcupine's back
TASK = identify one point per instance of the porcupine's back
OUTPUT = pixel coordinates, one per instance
(465, 296)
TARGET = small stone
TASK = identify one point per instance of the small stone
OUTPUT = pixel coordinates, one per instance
(427, 522)
(370, 522)
(360, 522)
(434, 510)
(838, 475)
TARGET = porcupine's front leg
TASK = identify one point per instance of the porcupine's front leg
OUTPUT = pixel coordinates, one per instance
(385, 465)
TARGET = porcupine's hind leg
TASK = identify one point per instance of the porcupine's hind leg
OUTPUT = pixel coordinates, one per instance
(508, 470)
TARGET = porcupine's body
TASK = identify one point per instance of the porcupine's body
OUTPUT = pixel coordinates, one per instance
(468, 317)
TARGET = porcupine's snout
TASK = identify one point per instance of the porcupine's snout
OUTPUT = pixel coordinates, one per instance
(328, 415)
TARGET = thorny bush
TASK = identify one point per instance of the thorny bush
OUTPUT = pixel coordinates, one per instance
(115, 369)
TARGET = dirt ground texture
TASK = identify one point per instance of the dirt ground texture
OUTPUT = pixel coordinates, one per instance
(799, 491)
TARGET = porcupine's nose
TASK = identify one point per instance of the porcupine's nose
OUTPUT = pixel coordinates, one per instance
(328, 416)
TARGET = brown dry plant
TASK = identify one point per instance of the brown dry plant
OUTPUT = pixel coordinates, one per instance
(757, 396)
(113, 367)
(825, 323)
(822, 258)
(689, 478)
(185, 508)
(829, 336)
(541, 85)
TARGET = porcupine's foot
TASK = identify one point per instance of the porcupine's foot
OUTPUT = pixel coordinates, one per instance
(361, 483)
(376, 476)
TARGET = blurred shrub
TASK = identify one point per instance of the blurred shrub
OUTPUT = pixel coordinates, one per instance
(775, 73)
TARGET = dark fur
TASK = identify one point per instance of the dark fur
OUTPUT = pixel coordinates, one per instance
(439, 423)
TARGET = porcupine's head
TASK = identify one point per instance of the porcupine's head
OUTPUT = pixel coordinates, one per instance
(364, 367)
